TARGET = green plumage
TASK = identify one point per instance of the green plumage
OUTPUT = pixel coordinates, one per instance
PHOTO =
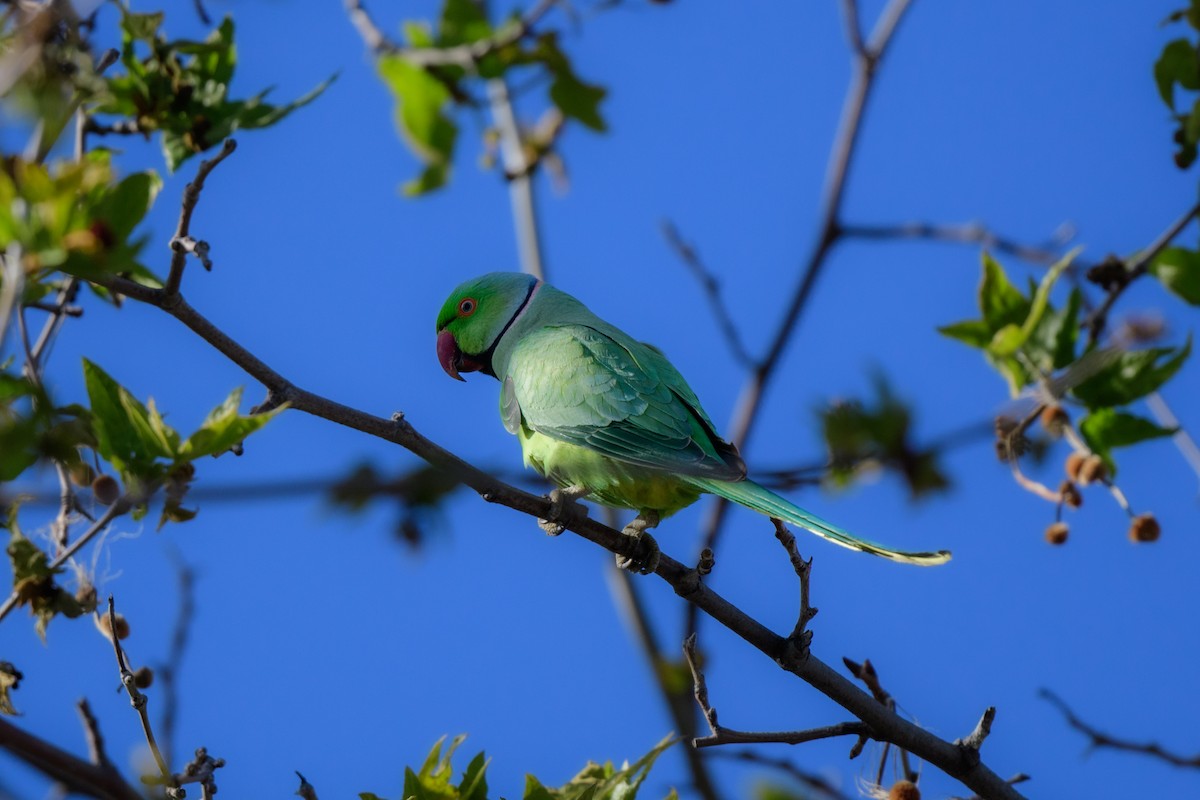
(595, 408)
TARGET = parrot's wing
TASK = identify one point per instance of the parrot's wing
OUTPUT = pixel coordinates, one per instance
(580, 385)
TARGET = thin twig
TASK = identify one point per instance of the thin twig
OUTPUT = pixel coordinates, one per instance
(1098, 739)
(967, 233)
(520, 181)
(809, 780)
(136, 698)
(91, 731)
(168, 673)
(182, 243)
(800, 637)
(712, 290)
(721, 735)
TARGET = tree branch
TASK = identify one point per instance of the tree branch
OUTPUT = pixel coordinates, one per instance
(182, 243)
(682, 579)
(77, 775)
(1098, 739)
(967, 233)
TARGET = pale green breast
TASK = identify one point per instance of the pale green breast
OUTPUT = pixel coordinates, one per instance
(610, 481)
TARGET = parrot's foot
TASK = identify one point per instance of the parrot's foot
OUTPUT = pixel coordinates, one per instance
(643, 543)
(563, 509)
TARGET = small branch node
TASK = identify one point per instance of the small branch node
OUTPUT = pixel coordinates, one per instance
(974, 740)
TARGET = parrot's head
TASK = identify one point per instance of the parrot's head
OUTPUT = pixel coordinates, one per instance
(475, 317)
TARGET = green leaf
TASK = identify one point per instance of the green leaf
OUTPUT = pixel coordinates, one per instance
(33, 581)
(1011, 337)
(223, 428)
(420, 103)
(974, 332)
(124, 206)
(574, 97)
(1177, 64)
(463, 21)
(473, 785)
(1179, 270)
(1107, 428)
(125, 434)
(1132, 375)
(1001, 302)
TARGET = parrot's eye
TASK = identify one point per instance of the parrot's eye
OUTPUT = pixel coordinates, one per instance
(467, 307)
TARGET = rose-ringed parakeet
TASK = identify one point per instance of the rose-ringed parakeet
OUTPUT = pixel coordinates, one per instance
(603, 415)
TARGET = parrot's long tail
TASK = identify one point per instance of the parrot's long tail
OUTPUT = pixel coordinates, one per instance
(764, 501)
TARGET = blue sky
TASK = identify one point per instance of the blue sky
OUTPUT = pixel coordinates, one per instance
(320, 644)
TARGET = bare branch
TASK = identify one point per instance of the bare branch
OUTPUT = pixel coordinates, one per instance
(1098, 739)
(1020, 777)
(168, 672)
(809, 780)
(712, 290)
(91, 731)
(136, 698)
(69, 770)
(721, 735)
(967, 233)
(854, 28)
(518, 169)
(182, 243)
(800, 637)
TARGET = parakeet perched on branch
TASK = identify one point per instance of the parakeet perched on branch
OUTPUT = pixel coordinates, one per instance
(602, 415)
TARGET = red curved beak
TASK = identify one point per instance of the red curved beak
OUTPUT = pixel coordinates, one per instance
(449, 356)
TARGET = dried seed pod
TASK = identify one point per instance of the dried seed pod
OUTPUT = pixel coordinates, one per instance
(106, 490)
(1070, 495)
(1144, 528)
(102, 624)
(1053, 419)
(1057, 533)
(143, 677)
(1074, 462)
(1092, 470)
(904, 790)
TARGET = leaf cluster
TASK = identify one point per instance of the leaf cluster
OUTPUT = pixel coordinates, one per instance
(147, 452)
(428, 96)
(180, 88)
(879, 433)
(1028, 341)
(435, 779)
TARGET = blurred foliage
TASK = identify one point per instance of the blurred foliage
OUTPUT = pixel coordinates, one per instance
(435, 779)
(862, 436)
(75, 218)
(429, 96)
(418, 492)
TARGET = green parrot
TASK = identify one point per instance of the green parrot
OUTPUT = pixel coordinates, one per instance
(603, 415)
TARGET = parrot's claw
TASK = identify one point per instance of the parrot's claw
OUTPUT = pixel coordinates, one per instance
(563, 509)
(648, 552)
